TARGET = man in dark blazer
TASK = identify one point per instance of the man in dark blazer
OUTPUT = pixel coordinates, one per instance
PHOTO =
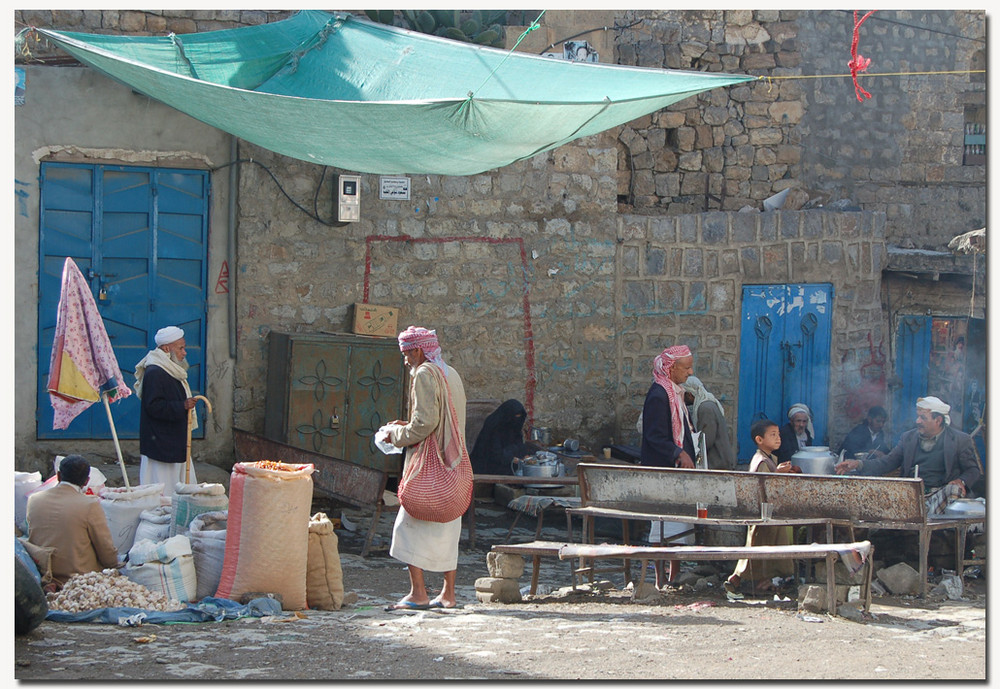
(942, 456)
(165, 400)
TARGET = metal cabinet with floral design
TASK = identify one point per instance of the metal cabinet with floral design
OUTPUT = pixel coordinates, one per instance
(329, 393)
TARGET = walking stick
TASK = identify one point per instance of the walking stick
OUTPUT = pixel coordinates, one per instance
(208, 405)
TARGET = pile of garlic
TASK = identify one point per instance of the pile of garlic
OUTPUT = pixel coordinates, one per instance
(107, 589)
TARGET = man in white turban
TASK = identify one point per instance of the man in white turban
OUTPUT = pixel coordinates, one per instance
(797, 434)
(943, 457)
(164, 402)
(708, 418)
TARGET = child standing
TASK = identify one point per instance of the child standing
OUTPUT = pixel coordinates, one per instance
(767, 437)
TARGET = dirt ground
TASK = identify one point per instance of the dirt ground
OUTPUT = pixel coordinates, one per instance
(597, 635)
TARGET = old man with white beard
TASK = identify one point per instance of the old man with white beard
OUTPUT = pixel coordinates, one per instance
(165, 400)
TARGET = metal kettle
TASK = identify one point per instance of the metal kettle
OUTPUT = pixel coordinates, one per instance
(816, 459)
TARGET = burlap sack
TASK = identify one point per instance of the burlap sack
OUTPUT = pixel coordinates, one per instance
(324, 576)
(267, 533)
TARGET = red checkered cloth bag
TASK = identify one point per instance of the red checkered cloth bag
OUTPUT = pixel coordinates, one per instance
(436, 488)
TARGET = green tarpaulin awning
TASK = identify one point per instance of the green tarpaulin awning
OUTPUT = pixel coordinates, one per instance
(338, 90)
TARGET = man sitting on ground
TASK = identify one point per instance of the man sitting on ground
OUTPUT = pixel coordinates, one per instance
(71, 522)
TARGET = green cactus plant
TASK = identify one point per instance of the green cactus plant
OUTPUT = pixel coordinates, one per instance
(482, 27)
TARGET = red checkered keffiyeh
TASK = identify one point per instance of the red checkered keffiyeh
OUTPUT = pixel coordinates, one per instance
(426, 340)
(661, 374)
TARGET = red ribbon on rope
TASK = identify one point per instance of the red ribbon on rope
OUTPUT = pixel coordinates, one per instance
(859, 63)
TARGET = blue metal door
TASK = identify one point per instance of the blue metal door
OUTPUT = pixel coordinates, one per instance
(140, 236)
(784, 356)
(913, 351)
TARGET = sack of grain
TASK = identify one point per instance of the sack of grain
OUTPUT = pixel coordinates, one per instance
(191, 499)
(154, 525)
(122, 507)
(267, 532)
(24, 483)
(324, 576)
(166, 567)
(208, 545)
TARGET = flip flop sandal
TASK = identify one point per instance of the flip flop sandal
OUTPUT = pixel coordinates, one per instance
(407, 605)
(438, 605)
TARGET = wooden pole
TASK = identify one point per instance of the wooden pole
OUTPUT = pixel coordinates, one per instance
(114, 435)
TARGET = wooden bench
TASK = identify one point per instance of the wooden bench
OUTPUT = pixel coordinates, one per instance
(493, 479)
(734, 497)
(825, 551)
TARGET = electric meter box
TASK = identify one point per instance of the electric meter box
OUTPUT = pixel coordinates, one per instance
(348, 198)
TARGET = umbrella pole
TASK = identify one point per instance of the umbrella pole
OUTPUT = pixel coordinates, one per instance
(114, 434)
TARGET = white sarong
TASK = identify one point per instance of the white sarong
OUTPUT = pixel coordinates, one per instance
(168, 473)
(432, 546)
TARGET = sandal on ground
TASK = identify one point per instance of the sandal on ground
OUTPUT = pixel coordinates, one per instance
(732, 584)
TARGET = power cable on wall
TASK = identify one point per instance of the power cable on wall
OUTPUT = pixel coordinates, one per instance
(314, 215)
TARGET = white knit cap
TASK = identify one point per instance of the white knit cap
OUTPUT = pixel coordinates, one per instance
(935, 405)
(167, 335)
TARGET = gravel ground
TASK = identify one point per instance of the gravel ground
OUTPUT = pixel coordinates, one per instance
(599, 634)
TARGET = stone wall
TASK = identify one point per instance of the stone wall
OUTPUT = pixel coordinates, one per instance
(899, 153)
(537, 289)
(682, 279)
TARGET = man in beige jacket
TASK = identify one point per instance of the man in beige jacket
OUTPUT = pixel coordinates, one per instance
(72, 523)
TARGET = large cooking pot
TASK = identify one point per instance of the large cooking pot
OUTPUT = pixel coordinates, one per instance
(540, 465)
(816, 459)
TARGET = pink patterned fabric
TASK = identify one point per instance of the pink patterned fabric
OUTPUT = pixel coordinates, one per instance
(661, 374)
(426, 340)
(81, 335)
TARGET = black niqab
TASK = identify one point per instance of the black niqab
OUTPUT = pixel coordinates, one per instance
(500, 440)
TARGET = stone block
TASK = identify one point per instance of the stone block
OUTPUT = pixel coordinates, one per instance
(645, 591)
(812, 597)
(900, 579)
(504, 565)
(840, 574)
(498, 591)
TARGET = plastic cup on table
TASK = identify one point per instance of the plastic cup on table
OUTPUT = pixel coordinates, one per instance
(766, 510)
(702, 508)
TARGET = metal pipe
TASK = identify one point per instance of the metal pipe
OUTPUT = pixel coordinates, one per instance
(231, 241)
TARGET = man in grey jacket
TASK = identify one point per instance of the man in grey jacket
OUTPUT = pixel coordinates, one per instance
(943, 457)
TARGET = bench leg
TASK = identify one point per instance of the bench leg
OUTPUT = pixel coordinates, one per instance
(470, 522)
(536, 561)
(925, 544)
(831, 584)
(372, 529)
(511, 529)
(868, 580)
(960, 535)
(538, 526)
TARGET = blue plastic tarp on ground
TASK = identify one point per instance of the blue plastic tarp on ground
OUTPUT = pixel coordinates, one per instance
(206, 610)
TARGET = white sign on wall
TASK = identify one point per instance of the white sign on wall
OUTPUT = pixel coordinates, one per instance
(395, 188)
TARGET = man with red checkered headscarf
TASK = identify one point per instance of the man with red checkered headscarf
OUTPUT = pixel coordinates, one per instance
(666, 428)
(425, 545)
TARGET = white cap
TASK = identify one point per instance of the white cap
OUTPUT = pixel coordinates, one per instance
(933, 404)
(167, 335)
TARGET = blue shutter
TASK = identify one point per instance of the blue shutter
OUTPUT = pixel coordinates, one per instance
(141, 236)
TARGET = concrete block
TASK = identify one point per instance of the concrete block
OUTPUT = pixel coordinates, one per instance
(840, 574)
(812, 597)
(900, 579)
(497, 590)
(504, 565)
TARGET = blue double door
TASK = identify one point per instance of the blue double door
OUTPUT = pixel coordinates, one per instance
(139, 235)
(784, 357)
